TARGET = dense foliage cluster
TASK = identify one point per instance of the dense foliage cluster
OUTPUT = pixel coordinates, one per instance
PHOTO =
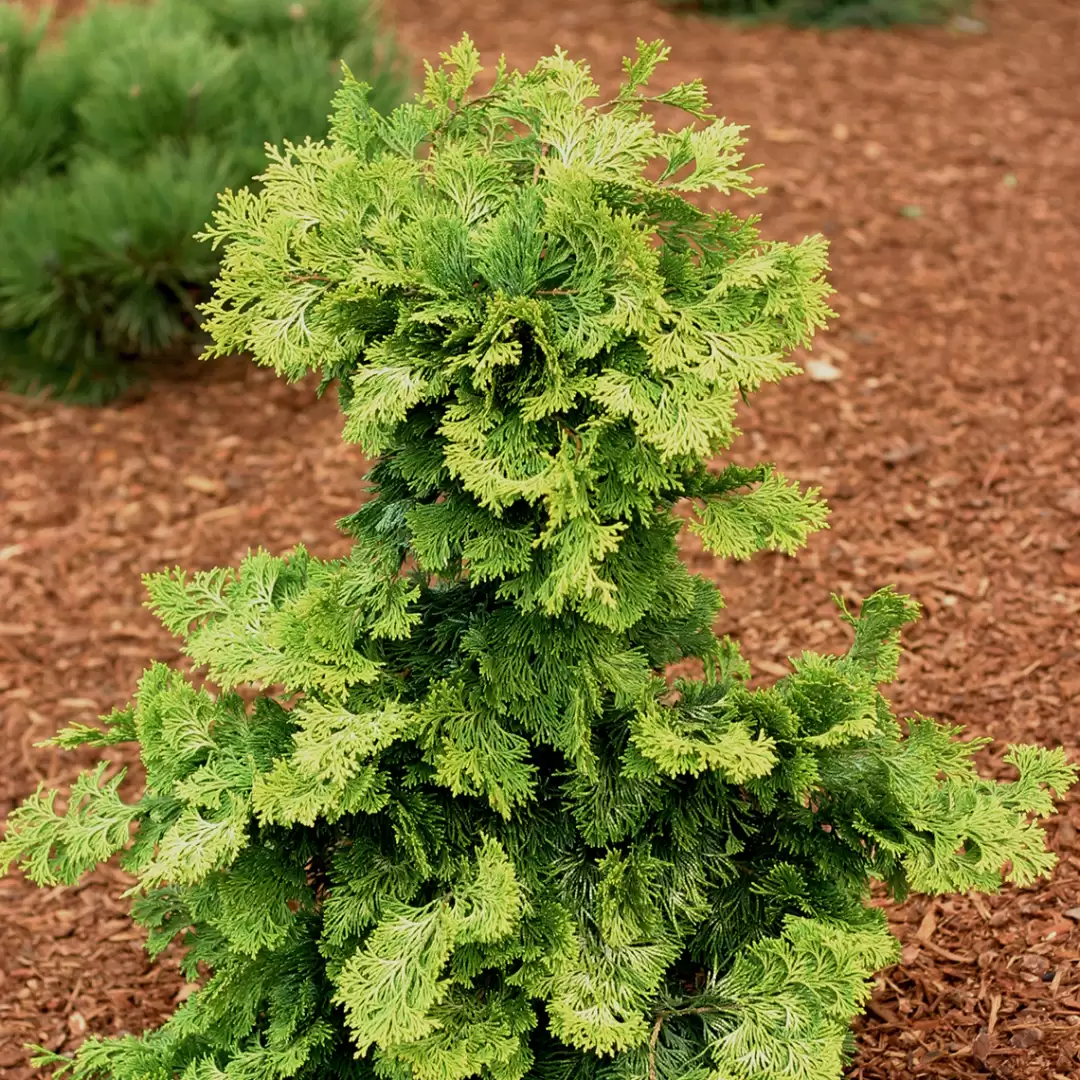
(468, 827)
(835, 13)
(114, 142)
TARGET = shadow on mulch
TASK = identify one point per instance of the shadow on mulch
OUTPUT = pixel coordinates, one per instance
(944, 428)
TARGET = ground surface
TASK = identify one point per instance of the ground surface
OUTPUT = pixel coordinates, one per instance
(949, 447)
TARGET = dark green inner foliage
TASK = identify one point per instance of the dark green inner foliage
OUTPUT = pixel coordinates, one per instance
(468, 827)
(114, 142)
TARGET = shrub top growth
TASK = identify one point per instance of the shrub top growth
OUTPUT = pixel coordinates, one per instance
(475, 832)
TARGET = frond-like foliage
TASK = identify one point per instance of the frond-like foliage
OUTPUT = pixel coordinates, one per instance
(477, 833)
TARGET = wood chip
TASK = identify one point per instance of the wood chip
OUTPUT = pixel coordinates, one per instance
(822, 371)
(927, 926)
(204, 484)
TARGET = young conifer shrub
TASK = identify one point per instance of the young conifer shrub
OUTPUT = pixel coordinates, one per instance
(116, 136)
(475, 832)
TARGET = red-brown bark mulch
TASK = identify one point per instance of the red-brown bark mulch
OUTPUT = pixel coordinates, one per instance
(944, 167)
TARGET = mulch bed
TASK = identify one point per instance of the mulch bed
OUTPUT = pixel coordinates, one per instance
(944, 167)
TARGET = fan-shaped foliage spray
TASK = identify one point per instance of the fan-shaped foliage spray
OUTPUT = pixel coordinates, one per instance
(477, 833)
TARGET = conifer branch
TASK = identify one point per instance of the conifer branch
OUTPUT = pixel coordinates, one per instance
(183, 298)
(102, 202)
(540, 162)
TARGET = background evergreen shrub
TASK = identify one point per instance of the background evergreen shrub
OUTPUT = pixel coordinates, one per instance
(114, 143)
(468, 828)
(836, 13)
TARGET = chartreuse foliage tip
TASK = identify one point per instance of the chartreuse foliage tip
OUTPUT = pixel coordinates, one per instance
(476, 832)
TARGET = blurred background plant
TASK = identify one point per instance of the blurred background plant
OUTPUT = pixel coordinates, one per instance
(116, 135)
(836, 13)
